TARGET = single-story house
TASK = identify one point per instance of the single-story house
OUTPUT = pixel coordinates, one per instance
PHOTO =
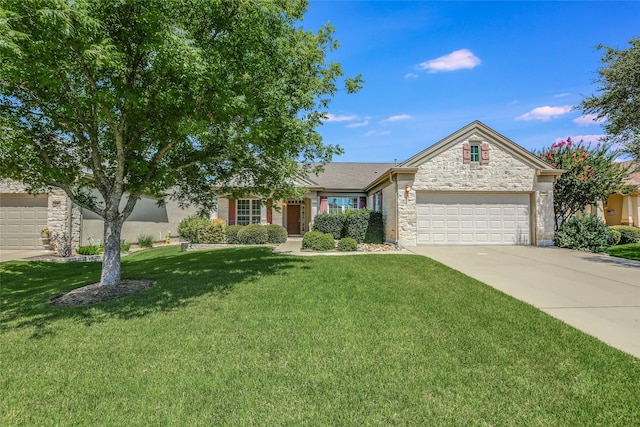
(473, 187)
(624, 209)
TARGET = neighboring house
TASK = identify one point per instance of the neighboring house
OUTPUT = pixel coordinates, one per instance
(624, 209)
(473, 187)
(23, 216)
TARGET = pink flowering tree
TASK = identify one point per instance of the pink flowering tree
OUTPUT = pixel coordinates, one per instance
(591, 175)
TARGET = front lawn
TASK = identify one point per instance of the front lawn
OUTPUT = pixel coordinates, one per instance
(628, 251)
(246, 337)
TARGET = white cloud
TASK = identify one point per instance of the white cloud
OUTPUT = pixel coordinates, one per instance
(409, 76)
(545, 113)
(377, 132)
(561, 95)
(457, 60)
(397, 118)
(338, 118)
(587, 139)
(358, 124)
(589, 119)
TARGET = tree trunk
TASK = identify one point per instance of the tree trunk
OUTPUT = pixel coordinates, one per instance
(111, 255)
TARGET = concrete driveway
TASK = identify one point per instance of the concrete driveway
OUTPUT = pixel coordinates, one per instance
(595, 293)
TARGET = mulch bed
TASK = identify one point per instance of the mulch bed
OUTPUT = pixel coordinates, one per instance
(92, 294)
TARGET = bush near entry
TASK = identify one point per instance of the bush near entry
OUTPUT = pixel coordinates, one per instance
(628, 234)
(588, 233)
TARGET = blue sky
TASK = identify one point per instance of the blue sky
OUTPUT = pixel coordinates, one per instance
(432, 67)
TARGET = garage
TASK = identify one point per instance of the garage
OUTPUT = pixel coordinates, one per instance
(473, 219)
(22, 217)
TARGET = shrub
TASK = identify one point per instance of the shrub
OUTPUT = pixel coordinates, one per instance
(375, 230)
(232, 233)
(614, 237)
(124, 246)
(628, 234)
(88, 250)
(357, 224)
(330, 223)
(253, 234)
(347, 245)
(198, 229)
(324, 243)
(145, 240)
(276, 233)
(588, 233)
(309, 238)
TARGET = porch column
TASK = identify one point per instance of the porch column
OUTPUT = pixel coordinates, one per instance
(627, 211)
(263, 214)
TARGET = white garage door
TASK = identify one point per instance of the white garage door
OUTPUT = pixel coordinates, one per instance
(21, 221)
(473, 219)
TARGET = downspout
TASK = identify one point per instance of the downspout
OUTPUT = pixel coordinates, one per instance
(395, 181)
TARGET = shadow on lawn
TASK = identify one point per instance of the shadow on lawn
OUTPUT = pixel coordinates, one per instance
(180, 277)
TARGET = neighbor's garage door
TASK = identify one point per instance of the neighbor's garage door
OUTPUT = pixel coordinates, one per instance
(473, 219)
(22, 217)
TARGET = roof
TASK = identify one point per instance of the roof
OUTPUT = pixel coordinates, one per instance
(346, 175)
(634, 175)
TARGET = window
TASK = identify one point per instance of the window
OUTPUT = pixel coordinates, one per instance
(475, 153)
(377, 201)
(248, 212)
(341, 204)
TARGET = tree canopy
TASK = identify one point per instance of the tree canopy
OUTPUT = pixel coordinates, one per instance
(110, 100)
(618, 98)
(591, 175)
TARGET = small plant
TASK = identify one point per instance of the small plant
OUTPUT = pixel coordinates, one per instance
(45, 232)
(324, 243)
(125, 247)
(309, 238)
(628, 234)
(62, 244)
(347, 245)
(232, 234)
(253, 234)
(89, 250)
(276, 233)
(145, 240)
(614, 236)
(587, 233)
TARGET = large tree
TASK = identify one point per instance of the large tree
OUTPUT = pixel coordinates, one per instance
(110, 100)
(618, 100)
(590, 176)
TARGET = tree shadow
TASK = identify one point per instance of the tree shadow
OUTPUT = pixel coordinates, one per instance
(25, 287)
(612, 260)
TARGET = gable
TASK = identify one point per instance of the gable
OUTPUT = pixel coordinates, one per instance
(480, 133)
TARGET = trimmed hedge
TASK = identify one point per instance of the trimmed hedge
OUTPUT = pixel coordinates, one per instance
(330, 223)
(198, 229)
(614, 237)
(276, 233)
(318, 241)
(89, 250)
(253, 234)
(362, 225)
(628, 234)
(587, 233)
(232, 234)
(347, 245)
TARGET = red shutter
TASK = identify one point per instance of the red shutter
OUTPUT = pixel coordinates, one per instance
(363, 203)
(466, 153)
(484, 154)
(232, 212)
(269, 211)
(324, 204)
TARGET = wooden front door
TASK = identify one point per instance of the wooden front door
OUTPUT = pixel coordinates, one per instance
(293, 219)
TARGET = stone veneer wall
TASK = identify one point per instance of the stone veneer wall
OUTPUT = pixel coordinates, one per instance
(62, 215)
(446, 172)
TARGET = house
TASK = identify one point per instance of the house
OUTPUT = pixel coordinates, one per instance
(473, 187)
(624, 208)
(23, 216)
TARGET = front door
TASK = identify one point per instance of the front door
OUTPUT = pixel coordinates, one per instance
(293, 219)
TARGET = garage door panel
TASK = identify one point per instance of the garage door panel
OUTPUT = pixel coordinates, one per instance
(473, 218)
(23, 217)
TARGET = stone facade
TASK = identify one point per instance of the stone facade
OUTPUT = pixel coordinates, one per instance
(63, 217)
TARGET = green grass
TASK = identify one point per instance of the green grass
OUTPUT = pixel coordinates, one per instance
(246, 337)
(628, 251)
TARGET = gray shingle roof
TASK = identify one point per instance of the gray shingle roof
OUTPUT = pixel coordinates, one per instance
(346, 176)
